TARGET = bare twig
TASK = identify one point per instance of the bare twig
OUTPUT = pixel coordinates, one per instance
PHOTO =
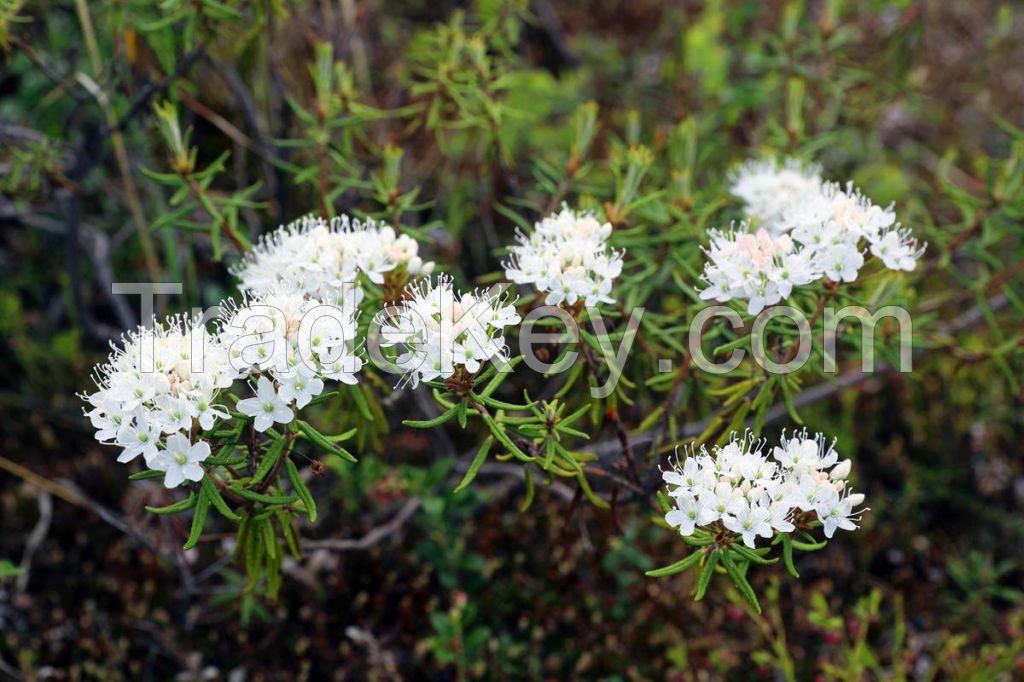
(374, 537)
(35, 539)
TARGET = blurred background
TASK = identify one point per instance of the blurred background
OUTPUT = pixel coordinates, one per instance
(364, 106)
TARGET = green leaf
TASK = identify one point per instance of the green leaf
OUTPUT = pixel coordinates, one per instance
(264, 499)
(301, 489)
(677, 567)
(270, 458)
(751, 555)
(210, 490)
(502, 405)
(430, 423)
(530, 489)
(787, 397)
(787, 554)
(180, 506)
(478, 461)
(198, 520)
(360, 400)
(322, 442)
(146, 475)
(9, 570)
(705, 576)
(740, 580)
(809, 546)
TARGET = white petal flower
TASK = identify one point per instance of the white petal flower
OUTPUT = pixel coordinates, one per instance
(807, 229)
(267, 407)
(323, 259)
(567, 257)
(769, 188)
(439, 330)
(154, 384)
(181, 460)
(738, 486)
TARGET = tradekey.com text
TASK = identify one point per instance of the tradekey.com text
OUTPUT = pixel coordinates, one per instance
(550, 339)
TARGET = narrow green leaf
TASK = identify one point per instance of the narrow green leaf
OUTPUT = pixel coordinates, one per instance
(740, 580)
(478, 461)
(269, 459)
(179, 506)
(210, 489)
(430, 423)
(705, 575)
(677, 567)
(787, 554)
(321, 441)
(751, 555)
(265, 499)
(530, 488)
(301, 489)
(146, 475)
(198, 520)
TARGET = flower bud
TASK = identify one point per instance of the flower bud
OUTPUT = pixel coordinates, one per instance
(856, 499)
(841, 470)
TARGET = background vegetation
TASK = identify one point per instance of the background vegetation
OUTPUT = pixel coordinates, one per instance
(460, 122)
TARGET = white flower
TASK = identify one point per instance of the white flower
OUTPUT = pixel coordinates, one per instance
(206, 411)
(567, 257)
(301, 385)
(294, 339)
(684, 516)
(439, 330)
(897, 249)
(769, 188)
(749, 521)
(157, 384)
(757, 267)
(181, 459)
(267, 407)
(322, 259)
(738, 486)
(835, 512)
(140, 437)
(809, 229)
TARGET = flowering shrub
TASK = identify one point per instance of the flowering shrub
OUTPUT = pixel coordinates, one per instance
(523, 258)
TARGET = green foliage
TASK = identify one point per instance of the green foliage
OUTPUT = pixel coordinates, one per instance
(458, 126)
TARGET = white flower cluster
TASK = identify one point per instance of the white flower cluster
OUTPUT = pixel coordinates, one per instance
(324, 259)
(835, 221)
(439, 330)
(757, 268)
(809, 229)
(294, 340)
(755, 495)
(769, 188)
(567, 256)
(154, 389)
(158, 393)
